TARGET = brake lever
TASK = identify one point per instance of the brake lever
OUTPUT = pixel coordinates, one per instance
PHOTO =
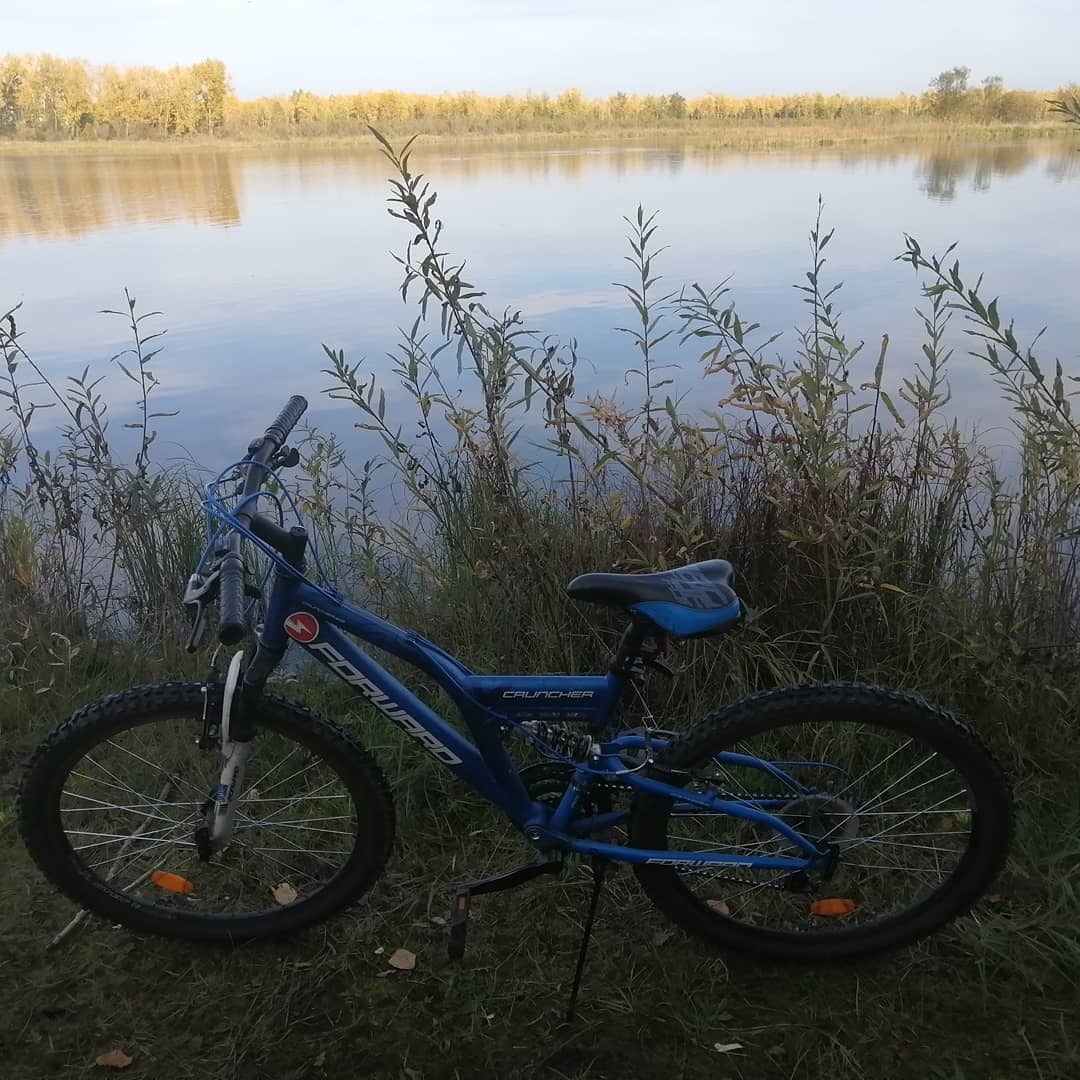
(288, 457)
(199, 590)
(198, 630)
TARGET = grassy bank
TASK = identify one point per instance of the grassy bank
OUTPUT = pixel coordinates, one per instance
(874, 541)
(737, 135)
(994, 997)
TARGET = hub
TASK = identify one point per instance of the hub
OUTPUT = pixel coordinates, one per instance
(821, 817)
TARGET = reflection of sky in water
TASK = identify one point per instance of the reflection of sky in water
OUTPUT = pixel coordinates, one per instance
(258, 257)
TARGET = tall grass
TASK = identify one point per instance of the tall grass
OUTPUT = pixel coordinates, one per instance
(91, 545)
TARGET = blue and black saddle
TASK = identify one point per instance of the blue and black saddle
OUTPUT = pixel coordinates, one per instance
(692, 601)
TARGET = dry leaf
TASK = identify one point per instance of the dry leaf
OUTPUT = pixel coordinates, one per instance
(113, 1059)
(726, 1048)
(718, 906)
(402, 959)
(284, 894)
(379, 951)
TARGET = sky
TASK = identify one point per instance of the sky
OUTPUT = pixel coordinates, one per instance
(599, 46)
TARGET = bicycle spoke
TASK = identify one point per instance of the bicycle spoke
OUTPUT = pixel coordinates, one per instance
(157, 768)
(265, 853)
(102, 807)
(874, 801)
(299, 799)
(119, 785)
(884, 761)
(273, 769)
(894, 843)
(291, 846)
(110, 837)
(891, 868)
(300, 772)
(160, 843)
(912, 817)
(918, 787)
(292, 825)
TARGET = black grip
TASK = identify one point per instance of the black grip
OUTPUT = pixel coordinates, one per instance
(232, 628)
(287, 419)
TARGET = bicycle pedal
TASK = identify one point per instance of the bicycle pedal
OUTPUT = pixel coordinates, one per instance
(458, 927)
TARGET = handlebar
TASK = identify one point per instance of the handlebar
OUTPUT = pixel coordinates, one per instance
(232, 626)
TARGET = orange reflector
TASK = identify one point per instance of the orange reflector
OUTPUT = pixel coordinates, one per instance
(171, 882)
(832, 906)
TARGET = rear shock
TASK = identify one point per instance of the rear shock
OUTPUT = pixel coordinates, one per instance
(560, 740)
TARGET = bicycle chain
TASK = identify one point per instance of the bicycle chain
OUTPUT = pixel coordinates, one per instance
(617, 785)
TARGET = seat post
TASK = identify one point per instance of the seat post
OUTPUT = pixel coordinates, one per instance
(629, 647)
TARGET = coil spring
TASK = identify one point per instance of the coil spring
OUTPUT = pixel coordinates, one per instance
(561, 740)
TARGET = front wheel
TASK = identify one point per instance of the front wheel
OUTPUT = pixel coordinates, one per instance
(114, 804)
(916, 810)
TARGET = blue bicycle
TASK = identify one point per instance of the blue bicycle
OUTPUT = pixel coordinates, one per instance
(814, 822)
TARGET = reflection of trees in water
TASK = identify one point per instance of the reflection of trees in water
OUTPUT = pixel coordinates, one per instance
(941, 172)
(471, 161)
(51, 195)
(1064, 167)
(67, 195)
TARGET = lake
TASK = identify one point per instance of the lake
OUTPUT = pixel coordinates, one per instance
(257, 256)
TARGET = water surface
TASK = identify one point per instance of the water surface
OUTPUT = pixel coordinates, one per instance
(256, 257)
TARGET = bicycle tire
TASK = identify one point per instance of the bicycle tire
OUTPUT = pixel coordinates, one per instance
(991, 822)
(43, 833)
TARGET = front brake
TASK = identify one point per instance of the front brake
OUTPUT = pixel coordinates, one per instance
(198, 596)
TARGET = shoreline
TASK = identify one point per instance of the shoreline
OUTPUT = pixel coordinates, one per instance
(779, 135)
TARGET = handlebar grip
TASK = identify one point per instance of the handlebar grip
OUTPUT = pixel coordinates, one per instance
(232, 627)
(287, 419)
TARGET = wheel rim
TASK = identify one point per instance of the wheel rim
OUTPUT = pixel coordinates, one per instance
(898, 811)
(132, 805)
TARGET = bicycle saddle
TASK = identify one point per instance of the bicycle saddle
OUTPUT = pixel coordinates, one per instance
(692, 601)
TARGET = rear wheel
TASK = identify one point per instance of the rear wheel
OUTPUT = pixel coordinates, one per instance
(113, 809)
(917, 810)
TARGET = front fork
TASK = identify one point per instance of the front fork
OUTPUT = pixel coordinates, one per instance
(221, 813)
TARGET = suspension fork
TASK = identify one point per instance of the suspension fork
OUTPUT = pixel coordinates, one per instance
(235, 753)
(239, 708)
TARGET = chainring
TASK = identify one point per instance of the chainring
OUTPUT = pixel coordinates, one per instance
(546, 782)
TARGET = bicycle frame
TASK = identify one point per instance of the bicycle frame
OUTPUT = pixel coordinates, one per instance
(489, 705)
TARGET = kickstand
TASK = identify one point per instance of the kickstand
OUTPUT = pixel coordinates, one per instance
(598, 867)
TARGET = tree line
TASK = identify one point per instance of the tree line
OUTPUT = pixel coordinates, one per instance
(47, 97)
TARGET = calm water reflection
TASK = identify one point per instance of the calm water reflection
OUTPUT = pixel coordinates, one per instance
(256, 257)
